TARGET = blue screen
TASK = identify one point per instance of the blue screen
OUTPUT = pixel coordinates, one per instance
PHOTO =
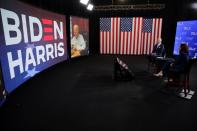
(186, 31)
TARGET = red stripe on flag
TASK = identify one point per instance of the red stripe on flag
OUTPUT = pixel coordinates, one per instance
(156, 29)
(117, 39)
(131, 42)
(123, 47)
(159, 28)
(160, 25)
(155, 26)
(121, 43)
(150, 49)
(146, 43)
(112, 40)
(127, 42)
(138, 37)
(137, 43)
(108, 43)
(152, 36)
(134, 22)
(103, 43)
(142, 48)
(158, 20)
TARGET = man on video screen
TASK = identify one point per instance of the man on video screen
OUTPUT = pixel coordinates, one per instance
(77, 43)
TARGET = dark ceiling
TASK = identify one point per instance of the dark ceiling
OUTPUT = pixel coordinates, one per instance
(65, 3)
(117, 2)
(71, 6)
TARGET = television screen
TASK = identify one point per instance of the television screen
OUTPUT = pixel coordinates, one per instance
(31, 40)
(186, 31)
(79, 30)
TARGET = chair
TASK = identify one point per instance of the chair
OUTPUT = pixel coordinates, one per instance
(181, 79)
(154, 63)
(120, 73)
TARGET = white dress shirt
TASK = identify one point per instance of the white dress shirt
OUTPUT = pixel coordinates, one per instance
(78, 42)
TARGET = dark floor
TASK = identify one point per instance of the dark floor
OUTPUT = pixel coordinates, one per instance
(81, 94)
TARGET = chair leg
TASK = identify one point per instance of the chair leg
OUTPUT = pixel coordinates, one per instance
(188, 86)
(185, 87)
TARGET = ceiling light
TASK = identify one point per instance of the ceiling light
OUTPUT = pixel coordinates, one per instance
(194, 5)
(90, 7)
(85, 2)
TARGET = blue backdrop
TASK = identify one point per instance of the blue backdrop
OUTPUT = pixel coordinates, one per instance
(186, 31)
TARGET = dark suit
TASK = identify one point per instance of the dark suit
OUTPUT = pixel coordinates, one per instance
(159, 51)
(179, 65)
(181, 62)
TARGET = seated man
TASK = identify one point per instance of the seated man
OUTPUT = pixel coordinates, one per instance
(121, 70)
(158, 51)
(78, 43)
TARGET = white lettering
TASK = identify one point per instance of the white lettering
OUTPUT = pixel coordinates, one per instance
(58, 30)
(8, 28)
(32, 21)
(15, 63)
(29, 58)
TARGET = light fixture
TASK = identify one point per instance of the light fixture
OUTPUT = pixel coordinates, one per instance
(90, 7)
(194, 5)
(85, 2)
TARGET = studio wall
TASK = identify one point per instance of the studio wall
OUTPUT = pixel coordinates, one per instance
(174, 11)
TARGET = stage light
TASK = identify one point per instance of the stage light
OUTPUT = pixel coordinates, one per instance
(194, 5)
(85, 2)
(90, 7)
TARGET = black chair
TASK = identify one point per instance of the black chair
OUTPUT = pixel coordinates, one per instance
(154, 63)
(120, 73)
(181, 80)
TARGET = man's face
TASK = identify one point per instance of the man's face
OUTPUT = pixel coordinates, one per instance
(76, 31)
(159, 40)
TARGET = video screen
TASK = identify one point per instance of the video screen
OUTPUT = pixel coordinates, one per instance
(186, 31)
(79, 30)
(31, 40)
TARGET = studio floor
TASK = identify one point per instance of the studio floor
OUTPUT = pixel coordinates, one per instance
(81, 94)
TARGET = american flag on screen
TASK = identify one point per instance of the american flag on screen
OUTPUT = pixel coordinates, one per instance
(129, 35)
